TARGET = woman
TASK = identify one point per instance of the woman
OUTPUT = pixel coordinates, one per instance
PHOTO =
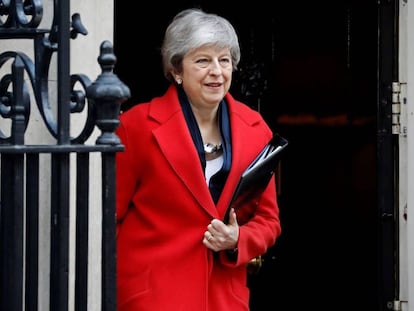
(184, 153)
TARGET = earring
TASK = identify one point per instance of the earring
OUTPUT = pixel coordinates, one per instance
(179, 81)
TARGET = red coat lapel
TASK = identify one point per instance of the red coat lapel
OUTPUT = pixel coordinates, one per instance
(176, 144)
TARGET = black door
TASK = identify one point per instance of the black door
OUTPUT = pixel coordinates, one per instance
(310, 67)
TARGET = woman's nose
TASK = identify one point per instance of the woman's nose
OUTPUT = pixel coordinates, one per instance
(215, 67)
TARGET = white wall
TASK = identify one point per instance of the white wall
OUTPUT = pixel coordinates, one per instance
(97, 17)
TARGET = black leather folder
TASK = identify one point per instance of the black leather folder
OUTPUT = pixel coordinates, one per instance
(257, 175)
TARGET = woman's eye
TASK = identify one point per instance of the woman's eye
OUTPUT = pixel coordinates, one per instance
(225, 62)
(203, 62)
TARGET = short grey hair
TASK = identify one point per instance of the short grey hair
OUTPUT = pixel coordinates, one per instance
(191, 29)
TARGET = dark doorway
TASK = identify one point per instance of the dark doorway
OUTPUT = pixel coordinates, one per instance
(314, 65)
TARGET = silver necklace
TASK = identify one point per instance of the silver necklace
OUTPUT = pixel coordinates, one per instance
(210, 148)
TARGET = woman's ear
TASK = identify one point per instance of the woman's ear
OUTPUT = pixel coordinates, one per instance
(176, 76)
(178, 79)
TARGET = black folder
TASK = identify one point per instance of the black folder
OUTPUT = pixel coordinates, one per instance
(257, 175)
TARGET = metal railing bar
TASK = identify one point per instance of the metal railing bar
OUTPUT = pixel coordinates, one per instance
(32, 232)
(82, 231)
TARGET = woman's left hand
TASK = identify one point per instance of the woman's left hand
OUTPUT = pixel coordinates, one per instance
(220, 236)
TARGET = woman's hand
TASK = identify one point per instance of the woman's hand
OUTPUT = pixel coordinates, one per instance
(220, 236)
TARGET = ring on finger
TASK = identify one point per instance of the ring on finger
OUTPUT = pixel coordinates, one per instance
(210, 238)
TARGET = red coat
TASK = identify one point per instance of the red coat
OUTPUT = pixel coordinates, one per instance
(164, 207)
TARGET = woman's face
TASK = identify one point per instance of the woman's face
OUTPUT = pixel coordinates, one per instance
(206, 75)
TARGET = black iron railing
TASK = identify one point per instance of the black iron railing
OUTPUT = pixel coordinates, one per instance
(26, 82)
